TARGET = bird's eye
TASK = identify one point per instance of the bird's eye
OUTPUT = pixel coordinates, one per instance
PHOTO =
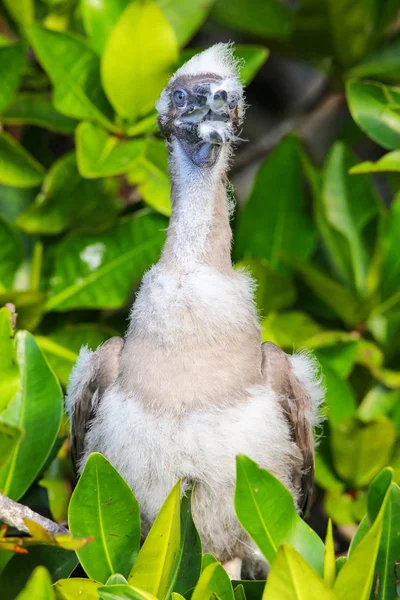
(180, 98)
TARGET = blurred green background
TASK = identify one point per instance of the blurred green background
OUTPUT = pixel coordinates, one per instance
(84, 200)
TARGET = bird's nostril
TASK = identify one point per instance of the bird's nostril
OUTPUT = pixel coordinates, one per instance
(220, 98)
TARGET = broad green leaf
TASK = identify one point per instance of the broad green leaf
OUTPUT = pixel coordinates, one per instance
(276, 223)
(269, 19)
(213, 580)
(9, 371)
(349, 205)
(150, 176)
(185, 17)
(11, 253)
(325, 475)
(382, 64)
(154, 567)
(388, 162)
(336, 296)
(104, 506)
(99, 270)
(74, 69)
(22, 11)
(340, 401)
(239, 592)
(266, 510)
(341, 356)
(288, 329)
(344, 508)
(123, 592)
(11, 66)
(62, 346)
(377, 492)
(274, 291)
(99, 17)
(68, 200)
(378, 402)
(188, 563)
(329, 558)
(292, 578)
(37, 109)
(9, 438)
(29, 305)
(360, 450)
(71, 589)
(60, 563)
(17, 167)
(37, 409)
(355, 579)
(251, 59)
(116, 578)
(139, 54)
(102, 155)
(375, 108)
(388, 552)
(38, 587)
(390, 269)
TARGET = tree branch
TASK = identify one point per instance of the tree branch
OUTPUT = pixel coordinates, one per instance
(14, 514)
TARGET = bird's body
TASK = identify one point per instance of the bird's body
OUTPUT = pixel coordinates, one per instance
(191, 386)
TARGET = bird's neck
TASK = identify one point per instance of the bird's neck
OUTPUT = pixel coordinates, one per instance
(199, 230)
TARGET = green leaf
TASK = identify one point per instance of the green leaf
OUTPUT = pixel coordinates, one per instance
(355, 579)
(277, 224)
(150, 176)
(100, 270)
(292, 578)
(375, 108)
(378, 402)
(104, 506)
(239, 592)
(274, 291)
(388, 162)
(154, 567)
(99, 17)
(60, 563)
(102, 155)
(213, 580)
(74, 69)
(339, 299)
(341, 356)
(38, 587)
(37, 109)
(329, 559)
(288, 329)
(187, 566)
(339, 398)
(11, 65)
(62, 346)
(123, 592)
(68, 200)
(349, 205)
(383, 64)
(71, 589)
(29, 305)
(139, 54)
(17, 167)
(390, 269)
(37, 409)
(266, 510)
(269, 19)
(22, 11)
(9, 438)
(11, 253)
(185, 17)
(325, 475)
(360, 450)
(9, 371)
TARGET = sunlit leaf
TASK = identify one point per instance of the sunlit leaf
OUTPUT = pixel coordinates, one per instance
(9, 438)
(22, 11)
(329, 559)
(104, 506)
(11, 66)
(9, 371)
(71, 589)
(37, 109)
(38, 587)
(17, 167)
(139, 54)
(388, 162)
(99, 17)
(213, 580)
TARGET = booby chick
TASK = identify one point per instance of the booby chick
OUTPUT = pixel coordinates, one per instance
(191, 386)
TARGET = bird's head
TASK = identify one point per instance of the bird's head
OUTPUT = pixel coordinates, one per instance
(202, 106)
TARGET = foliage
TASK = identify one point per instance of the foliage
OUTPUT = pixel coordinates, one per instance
(83, 209)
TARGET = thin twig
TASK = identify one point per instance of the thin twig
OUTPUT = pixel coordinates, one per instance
(13, 514)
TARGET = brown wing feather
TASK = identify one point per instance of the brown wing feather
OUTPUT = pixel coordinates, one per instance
(87, 389)
(277, 372)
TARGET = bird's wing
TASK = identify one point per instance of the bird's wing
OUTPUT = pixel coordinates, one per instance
(295, 380)
(92, 374)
